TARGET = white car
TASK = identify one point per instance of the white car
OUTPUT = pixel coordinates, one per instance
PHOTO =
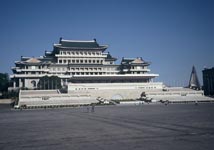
(16, 106)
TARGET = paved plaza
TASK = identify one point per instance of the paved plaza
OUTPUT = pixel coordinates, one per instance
(149, 127)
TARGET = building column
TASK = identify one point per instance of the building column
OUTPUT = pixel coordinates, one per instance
(61, 82)
(23, 82)
(37, 84)
(20, 82)
(14, 83)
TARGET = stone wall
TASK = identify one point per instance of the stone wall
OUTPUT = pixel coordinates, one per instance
(30, 98)
(114, 90)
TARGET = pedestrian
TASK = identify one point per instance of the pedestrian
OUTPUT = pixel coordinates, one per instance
(92, 108)
(87, 109)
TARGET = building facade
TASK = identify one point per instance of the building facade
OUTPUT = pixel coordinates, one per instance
(208, 81)
(79, 62)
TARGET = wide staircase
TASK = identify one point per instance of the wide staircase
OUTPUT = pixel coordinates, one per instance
(179, 95)
(52, 98)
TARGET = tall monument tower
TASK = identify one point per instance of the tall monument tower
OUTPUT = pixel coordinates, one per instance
(194, 82)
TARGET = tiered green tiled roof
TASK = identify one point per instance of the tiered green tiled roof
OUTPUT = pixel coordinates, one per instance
(79, 44)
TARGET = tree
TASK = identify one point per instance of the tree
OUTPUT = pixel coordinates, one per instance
(46, 83)
(4, 82)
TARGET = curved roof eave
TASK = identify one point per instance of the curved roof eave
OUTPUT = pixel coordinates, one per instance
(103, 47)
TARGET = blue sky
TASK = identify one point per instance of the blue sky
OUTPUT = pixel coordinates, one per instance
(173, 34)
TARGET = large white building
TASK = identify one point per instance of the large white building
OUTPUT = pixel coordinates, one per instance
(90, 75)
(80, 62)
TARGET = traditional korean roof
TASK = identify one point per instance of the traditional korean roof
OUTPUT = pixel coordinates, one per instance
(76, 44)
(72, 43)
(109, 57)
(126, 60)
(134, 61)
(33, 60)
(138, 61)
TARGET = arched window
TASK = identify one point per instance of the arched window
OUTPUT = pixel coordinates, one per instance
(33, 83)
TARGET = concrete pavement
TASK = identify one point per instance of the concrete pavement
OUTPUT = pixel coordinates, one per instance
(149, 127)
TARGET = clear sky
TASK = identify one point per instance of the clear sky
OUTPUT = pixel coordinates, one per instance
(173, 34)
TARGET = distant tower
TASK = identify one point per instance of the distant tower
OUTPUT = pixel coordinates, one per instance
(194, 82)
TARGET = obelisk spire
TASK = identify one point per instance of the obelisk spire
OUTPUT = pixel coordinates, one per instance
(194, 82)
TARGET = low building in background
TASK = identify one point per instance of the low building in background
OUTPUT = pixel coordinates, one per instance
(208, 81)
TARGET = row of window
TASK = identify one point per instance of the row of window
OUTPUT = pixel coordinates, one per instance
(86, 53)
(86, 73)
(138, 72)
(33, 72)
(77, 61)
(71, 73)
(59, 69)
(91, 73)
(63, 69)
(82, 69)
(138, 67)
(33, 67)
